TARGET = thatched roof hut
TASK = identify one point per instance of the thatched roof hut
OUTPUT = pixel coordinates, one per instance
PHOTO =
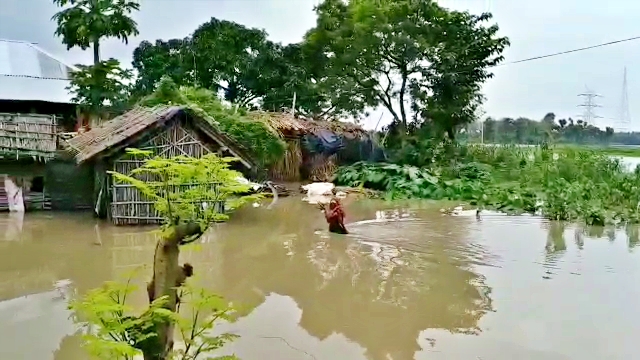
(299, 162)
(165, 130)
(128, 128)
(289, 126)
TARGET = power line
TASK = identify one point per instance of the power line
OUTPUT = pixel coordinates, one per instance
(460, 72)
(571, 51)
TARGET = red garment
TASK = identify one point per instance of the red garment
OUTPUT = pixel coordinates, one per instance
(335, 217)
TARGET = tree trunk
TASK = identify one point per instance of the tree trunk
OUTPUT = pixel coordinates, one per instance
(96, 52)
(166, 271)
(451, 133)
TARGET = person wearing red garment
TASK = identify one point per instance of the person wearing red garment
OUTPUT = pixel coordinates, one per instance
(335, 217)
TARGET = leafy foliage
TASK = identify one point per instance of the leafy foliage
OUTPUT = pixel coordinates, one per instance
(173, 59)
(228, 55)
(113, 332)
(417, 59)
(223, 56)
(256, 136)
(101, 88)
(83, 23)
(185, 188)
(560, 185)
(388, 52)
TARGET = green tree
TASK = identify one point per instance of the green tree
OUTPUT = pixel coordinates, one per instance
(227, 57)
(287, 73)
(102, 88)
(402, 53)
(173, 58)
(448, 92)
(83, 23)
(111, 332)
(562, 123)
(184, 191)
(549, 118)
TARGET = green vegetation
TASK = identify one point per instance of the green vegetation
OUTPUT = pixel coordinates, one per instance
(406, 61)
(258, 137)
(101, 89)
(560, 185)
(184, 191)
(83, 23)
(548, 129)
(113, 332)
(609, 150)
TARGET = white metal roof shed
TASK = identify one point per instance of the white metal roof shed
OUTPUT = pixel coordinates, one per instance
(28, 72)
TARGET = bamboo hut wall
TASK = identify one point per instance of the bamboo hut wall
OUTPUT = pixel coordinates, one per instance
(28, 135)
(128, 205)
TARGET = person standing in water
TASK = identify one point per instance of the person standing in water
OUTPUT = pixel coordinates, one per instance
(335, 216)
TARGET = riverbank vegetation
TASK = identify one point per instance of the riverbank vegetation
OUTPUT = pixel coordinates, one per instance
(561, 185)
(568, 132)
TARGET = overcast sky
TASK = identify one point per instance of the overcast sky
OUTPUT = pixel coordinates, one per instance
(535, 28)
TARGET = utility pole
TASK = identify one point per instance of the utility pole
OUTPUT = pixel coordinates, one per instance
(589, 106)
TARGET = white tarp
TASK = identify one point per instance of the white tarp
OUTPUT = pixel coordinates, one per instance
(14, 195)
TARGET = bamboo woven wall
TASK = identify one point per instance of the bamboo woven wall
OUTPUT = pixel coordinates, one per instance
(128, 205)
(27, 135)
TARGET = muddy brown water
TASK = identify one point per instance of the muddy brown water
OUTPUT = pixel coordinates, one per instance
(408, 283)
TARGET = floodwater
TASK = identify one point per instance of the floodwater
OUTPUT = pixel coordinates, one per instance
(408, 283)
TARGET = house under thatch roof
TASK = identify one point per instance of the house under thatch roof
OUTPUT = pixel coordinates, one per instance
(167, 131)
(300, 162)
(289, 126)
(123, 130)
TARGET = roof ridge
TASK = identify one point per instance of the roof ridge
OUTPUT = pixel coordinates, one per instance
(37, 48)
(18, 41)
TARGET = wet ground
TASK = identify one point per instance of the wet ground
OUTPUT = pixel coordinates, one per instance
(408, 283)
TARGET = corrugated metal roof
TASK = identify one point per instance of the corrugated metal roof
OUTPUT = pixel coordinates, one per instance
(27, 72)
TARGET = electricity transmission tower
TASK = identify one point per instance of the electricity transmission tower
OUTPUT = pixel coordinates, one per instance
(589, 106)
(623, 122)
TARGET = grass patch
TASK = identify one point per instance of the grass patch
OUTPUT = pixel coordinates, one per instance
(613, 150)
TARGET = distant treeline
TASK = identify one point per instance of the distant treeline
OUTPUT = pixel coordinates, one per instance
(527, 131)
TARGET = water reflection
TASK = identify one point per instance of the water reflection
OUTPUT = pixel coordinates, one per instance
(408, 283)
(380, 295)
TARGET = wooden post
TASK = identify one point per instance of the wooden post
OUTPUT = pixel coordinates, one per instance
(293, 107)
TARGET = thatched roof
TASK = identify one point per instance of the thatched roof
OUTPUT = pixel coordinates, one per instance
(125, 129)
(288, 125)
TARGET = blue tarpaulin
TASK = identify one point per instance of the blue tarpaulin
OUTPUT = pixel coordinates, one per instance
(324, 142)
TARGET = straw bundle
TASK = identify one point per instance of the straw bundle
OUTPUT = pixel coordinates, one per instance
(288, 167)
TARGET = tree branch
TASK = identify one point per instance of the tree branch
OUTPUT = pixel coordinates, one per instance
(184, 233)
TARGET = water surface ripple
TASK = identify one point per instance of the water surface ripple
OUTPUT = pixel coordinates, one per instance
(407, 283)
